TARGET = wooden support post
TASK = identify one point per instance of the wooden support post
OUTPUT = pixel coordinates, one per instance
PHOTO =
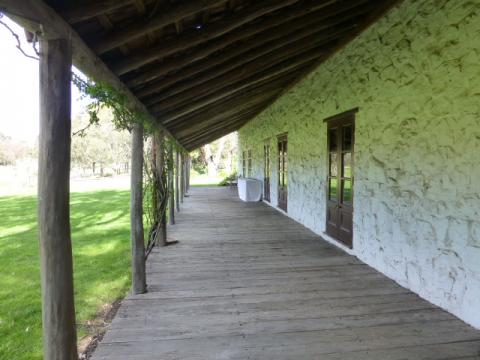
(182, 177)
(56, 268)
(177, 180)
(139, 283)
(161, 236)
(189, 164)
(171, 191)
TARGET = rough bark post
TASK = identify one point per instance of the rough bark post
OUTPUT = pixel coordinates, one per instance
(182, 177)
(56, 268)
(161, 236)
(139, 283)
(189, 164)
(185, 178)
(177, 180)
(171, 202)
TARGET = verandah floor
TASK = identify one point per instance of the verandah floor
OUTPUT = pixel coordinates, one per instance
(246, 282)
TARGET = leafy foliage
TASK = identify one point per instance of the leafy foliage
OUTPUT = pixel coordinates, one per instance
(106, 96)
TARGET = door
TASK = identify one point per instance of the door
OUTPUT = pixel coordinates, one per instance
(282, 172)
(340, 178)
(266, 171)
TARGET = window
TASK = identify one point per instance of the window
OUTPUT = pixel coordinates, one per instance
(244, 163)
(249, 163)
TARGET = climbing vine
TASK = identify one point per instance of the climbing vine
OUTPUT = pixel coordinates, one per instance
(102, 95)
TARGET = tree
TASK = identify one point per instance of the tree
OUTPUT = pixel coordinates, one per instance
(100, 146)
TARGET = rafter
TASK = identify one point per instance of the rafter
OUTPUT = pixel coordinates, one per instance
(235, 108)
(251, 49)
(224, 86)
(77, 13)
(194, 37)
(168, 15)
(255, 61)
(169, 65)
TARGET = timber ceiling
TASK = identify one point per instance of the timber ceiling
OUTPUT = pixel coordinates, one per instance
(204, 68)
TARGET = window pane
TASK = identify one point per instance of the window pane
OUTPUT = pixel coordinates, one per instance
(347, 138)
(333, 164)
(347, 192)
(333, 189)
(332, 138)
(347, 165)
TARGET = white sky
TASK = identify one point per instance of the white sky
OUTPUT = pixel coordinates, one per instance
(19, 106)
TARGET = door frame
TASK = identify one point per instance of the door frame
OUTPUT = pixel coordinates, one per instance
(266, 187)
(347, 117)
(282, 205)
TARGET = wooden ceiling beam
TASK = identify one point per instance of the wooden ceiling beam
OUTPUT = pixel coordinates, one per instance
(222, 123)
(214, 135)
(244, 99)
(228, 84)
(255, 61)
(225, 107)
(236, 108)
(232, 125)
(78, 13)
(250, 50)
(158, 70)
(194, 37)
(37, 17)
(167, 15)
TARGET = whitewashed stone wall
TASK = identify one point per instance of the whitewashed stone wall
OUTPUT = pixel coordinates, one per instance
(415, 76)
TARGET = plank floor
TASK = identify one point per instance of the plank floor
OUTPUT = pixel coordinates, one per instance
(246, 282)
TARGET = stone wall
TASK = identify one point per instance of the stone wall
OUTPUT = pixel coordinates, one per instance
(415, 75)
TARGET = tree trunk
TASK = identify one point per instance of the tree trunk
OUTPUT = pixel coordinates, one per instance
(139, 283)
(171, 197)
(58, 310)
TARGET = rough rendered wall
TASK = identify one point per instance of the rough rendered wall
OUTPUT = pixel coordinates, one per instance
(416, 77)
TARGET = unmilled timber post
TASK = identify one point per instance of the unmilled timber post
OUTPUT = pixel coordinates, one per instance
(139, 283)
(182, 177)
(161, 236)
(56, 268)
(177, 180)
(171, 202)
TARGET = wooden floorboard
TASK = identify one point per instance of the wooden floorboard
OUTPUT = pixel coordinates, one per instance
(246, 282)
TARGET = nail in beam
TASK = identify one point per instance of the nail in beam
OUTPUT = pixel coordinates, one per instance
(171, 199)
(58, 310)
(177, 181)
(139, 283)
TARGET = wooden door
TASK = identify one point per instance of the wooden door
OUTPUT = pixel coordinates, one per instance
(282, 172)
(340, 178)
(266, 171)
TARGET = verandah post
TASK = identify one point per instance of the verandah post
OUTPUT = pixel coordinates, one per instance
(161, 237)
(56, 265)
(177, 180)
(139, 283)
(171, 203)
(189, 162)
(182, 177)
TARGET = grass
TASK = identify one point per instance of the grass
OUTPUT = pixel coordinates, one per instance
(203, 180)
(100, 236)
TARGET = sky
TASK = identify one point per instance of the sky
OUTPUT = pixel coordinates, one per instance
(19, 93)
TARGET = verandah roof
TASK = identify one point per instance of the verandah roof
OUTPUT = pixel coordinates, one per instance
(201, 68)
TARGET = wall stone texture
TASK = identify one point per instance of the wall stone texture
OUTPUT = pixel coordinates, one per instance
(415, 76)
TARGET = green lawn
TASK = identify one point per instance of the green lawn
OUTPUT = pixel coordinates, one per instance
(199, 180)
(100, 235)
